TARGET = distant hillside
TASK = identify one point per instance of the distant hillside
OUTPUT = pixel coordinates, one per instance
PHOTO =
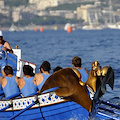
(16, 2)
(113, 1)
(69, 6)
(66, 4)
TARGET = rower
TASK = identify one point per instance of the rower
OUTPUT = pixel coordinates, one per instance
(9, 82)
(26, 84)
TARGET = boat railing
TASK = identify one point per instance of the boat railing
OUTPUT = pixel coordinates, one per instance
(21, 103)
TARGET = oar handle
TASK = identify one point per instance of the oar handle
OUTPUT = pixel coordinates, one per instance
(106, 103)
(23, 110)
(6, 107)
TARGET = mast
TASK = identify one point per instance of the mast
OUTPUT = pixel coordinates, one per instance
(112, 18)
(110, 11)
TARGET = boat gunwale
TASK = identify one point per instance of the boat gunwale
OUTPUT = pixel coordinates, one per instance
(39, 104)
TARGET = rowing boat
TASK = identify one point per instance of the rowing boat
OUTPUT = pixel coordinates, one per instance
(76, 102)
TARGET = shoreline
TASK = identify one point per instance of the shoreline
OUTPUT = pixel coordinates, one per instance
(33, 27)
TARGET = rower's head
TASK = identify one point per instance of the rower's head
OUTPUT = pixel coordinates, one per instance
(57, 68)
(8, 70)
(76, 61)
(28, 70)
(1, 37)
(45, 67)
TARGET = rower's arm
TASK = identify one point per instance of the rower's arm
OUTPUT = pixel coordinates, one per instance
(9, 49)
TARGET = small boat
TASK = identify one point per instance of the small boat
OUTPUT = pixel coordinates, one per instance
(13, 28)
(69, 25)
(93, 24)
(72, 99)
(91, 27)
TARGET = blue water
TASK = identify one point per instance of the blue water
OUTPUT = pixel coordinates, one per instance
(59, 47)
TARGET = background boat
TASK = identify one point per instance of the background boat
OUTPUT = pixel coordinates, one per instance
(72, 26)
(93, 22)
(13, 28)
(112, 24)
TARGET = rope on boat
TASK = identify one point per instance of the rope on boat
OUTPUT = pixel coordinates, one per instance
(41, 111)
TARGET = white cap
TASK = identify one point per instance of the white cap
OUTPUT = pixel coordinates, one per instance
(1, 33)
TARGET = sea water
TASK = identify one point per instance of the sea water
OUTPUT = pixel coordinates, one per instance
(59, 47)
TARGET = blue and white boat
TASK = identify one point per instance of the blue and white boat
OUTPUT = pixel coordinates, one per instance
(78, 102)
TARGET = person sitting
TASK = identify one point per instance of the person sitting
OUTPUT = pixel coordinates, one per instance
(57, 68)
(44, 73)
(26, 84)
(9, 82)
(76, 62)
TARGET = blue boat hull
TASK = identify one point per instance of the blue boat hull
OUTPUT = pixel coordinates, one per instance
(58, 110)
(61, 111)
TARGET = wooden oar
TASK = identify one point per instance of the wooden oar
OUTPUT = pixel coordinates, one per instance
(112, 105)
(108, 116)
(112, 111)
(23, 110)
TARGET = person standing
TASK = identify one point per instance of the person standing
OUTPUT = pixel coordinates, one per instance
(4, 47)
(77, 62)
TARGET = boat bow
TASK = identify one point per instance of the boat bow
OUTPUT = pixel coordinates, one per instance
(70, 87)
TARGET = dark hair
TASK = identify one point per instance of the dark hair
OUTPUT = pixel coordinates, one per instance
(45, 66)
(76, 61)
(8, 70)
(57, 68)
(28, 70)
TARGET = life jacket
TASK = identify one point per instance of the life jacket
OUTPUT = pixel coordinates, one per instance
(29, 87)
(11, 86)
